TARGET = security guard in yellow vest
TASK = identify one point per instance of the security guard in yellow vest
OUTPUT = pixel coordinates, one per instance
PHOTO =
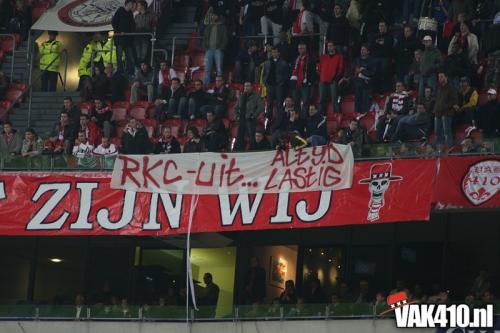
(92, 49)
(49, 62)
(109, 55)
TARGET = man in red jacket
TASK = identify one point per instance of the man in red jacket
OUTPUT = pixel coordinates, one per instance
(331, 69)
(91, 130)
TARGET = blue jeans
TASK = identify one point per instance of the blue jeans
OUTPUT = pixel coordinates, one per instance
(177, 107)
(325, 90)
(426, 81)
(316, 140)
(212, 55)
(130, 58)
(442, 126)
(302, 94)
(218, 110)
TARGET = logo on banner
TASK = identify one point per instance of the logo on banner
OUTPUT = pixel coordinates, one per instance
(89, 13)
(379, 181)
(409, 314)
(482, 181)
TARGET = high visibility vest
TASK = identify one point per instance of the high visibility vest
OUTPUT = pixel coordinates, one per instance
(92, 48)
(49, 51)
(109, 54)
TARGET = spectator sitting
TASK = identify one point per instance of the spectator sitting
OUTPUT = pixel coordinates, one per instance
(429, 63)
(167, 143)
(489, 115)
(217, 98)
(456, 64)
(106, 148)
(413, 126)
(165, 76)
(194, 143)
(135, 139)
(398, 105)
(215, 42)
(444, 109)
(246, 62)
(467, 101)
(353, 136)
(465, 37)
(315, 132)
(380, 299)
(304, 23)
(4, 85)
(248, 107)
(412, 77)
(79, 305)
(331, 69)
(418, 294)
(61, 137)
(429, 100)
(72, 110)
(275, 75)
(10, 141)
(364, 68)
(196, 99)
(260, 143)
(32, 144)
(338, 28)
(271, 22)
(289, 121)
(174, 101)
(90, 128)
(102, 115)
(82, 147)
(215, 134)
(143, 83)
(289, 295)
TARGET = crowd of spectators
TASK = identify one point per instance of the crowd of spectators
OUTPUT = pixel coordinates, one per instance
(409, 82)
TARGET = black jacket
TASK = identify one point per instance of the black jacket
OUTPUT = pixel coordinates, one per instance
(405, 49)
(316, 125)
(138, 144)
(123, 21)
(199, 97)
(457, 65)
(171, 147)
(338, 30)
(259, 146)
(385, 50)
(282, 72)
(274, 10)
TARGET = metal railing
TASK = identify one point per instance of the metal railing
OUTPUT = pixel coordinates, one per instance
(13, 53)
(31, 81)
(151, 34)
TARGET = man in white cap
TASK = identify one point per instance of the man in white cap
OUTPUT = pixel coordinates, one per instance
(430, 62)
(489, 115)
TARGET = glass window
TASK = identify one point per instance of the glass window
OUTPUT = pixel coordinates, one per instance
(15, 259)
(323, 264)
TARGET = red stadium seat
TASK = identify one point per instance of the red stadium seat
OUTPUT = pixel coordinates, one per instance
(230, 113)
(119, 114)
(2, 55)
(198, 59)
(121, 104)
(151, 112)
(150, 130)
(347, 105)
(233, 131)
(175, 125)
(367, 123)
(85, 107)
(13, 95)
(7, 45)
(200, 124)
(226, 122)
(332, 126)
(4, 107)
(19, 86)
(142, 104)
(149, 122)
(372, 135)
(137, 112)
(181, 60)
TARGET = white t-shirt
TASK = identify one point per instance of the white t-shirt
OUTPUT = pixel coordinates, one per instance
(100, 150)
(83, 149)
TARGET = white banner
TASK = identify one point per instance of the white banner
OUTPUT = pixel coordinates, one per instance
(322, 168)
(79, 15)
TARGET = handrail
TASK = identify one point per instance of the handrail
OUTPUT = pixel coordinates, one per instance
(151, 34)
(31, 81)
(13, 53)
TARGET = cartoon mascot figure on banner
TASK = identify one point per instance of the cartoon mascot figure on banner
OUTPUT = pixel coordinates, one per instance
(379, 181)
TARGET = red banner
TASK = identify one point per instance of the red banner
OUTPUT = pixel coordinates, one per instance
(84, 204)
(468, 182)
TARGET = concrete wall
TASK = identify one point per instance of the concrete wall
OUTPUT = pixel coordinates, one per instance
(317, 326)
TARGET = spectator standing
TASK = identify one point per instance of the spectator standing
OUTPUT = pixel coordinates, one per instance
(217, 99)
(61, 137)
(167, 143)
(123, 22)
(489, 115)
(446, 104)
(32, 144)
(289, 295)
(338, 28)
(429, 64)
(143, 82)
(468, 99)
(102, 116)
(10, 141)
(491, 46)
(135, 139)
(106, 148)
(457, 7)
(413, 76)
(364, 69)
(194, 143)
(276, 74)
(331, 69)
(143, 24)
(271, 22)
(215, 42)
(196, 99)
(353, 136)
(215, 133)
(246, 63)
(209, 297)
(304, 23)
(382, 50)
(248, 107)
(456, 64)
(113, 85)
(316, 294)
(302, 79)
(468, 41)
(316, 133)
(165, 76)
(405, 49)
(49, 62)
